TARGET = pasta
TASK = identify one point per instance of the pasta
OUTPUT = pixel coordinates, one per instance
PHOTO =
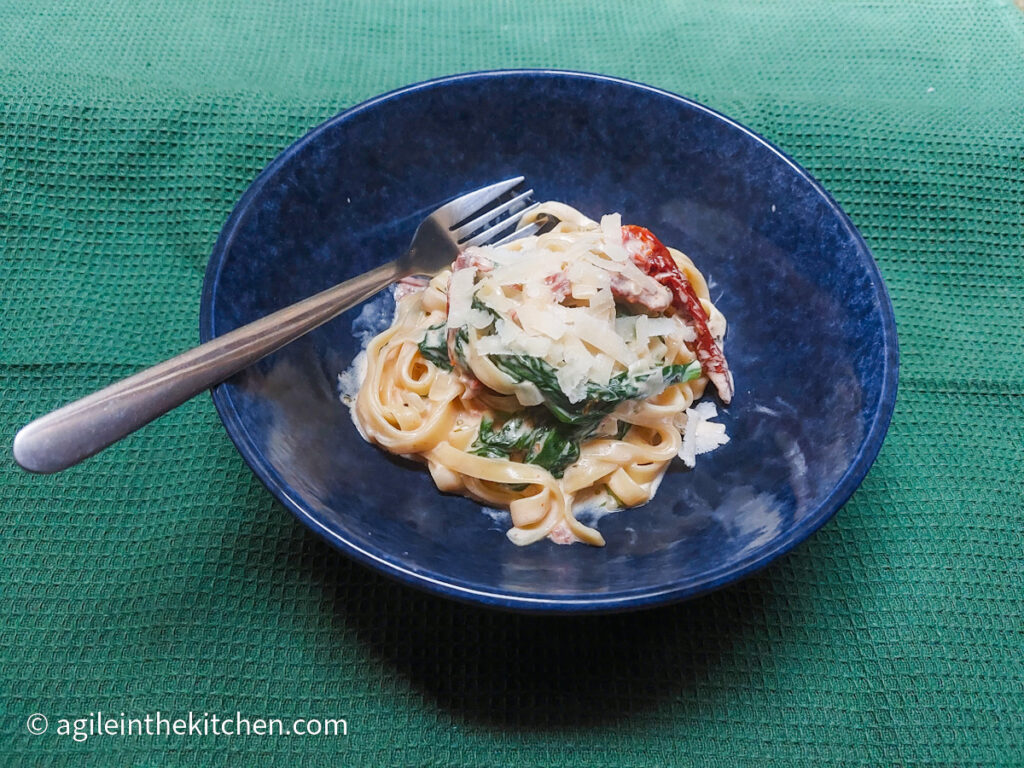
(554, 373)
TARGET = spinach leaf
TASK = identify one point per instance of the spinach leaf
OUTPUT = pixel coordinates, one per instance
(434, 346)
(550, 435)
(677, 374)
(545, 378)
(514, 436)
(623, 430)
(461, 340)
(532, 439)
(623, 387)
(600, 399)
(554, 449)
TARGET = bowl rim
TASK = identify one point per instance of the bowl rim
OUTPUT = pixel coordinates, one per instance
(623, 600)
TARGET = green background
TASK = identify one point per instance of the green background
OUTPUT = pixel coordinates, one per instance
(161, 575)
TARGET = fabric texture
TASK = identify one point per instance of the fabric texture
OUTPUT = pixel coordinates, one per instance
(161, 576)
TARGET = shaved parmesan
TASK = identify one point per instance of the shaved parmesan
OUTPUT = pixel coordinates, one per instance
(479, 319)
(586, 279)
(685, 333)
(490, 345)
(625, 327)
(601, 368)
(600, 335)
(524, 269)
(518, 341)
(701, 435)
(655, 326)
(460, 297)
(495, 299)
(611, 228)
(644, 282)
(572, 379)
(545, 321)
(602, 302)
(657, 349)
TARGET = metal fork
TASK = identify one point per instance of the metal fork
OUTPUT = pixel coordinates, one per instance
(80, 429)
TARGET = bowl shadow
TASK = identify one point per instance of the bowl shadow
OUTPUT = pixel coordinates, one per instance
(527, 671)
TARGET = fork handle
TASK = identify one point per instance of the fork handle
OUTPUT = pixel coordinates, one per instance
(80, 429)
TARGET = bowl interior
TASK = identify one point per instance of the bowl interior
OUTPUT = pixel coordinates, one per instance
(811, 340)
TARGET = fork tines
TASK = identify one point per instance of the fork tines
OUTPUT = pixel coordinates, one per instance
(498, 208)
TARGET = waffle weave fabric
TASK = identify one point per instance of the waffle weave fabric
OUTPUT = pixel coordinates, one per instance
(161, 576)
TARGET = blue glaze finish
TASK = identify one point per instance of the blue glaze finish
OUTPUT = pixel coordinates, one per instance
(812, 341)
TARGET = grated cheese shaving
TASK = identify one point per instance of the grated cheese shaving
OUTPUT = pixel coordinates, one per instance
(701, 435)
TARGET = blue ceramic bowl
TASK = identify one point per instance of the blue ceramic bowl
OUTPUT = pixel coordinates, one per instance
(811, 340)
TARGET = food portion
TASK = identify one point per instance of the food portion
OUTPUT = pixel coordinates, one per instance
(554, 374)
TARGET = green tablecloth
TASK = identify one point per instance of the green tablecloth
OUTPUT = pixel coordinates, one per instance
(161, 576)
